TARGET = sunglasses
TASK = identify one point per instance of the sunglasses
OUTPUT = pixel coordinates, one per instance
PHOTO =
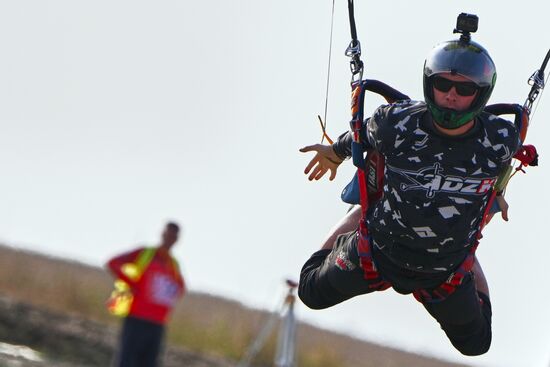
(465, 89)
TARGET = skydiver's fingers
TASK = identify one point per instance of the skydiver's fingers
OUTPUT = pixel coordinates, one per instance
(503, 207)
(321, 174)
(315, 172)
(505, 215)
(311, 163)
(309, 148)
(332, 174)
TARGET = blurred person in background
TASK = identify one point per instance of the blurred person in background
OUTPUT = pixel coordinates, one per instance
(155, 283)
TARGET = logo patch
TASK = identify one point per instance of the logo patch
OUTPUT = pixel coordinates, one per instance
(431, 180)
(343, 263)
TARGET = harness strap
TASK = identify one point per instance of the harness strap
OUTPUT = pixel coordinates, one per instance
(364, 249)
(371, 274)
(447, 288)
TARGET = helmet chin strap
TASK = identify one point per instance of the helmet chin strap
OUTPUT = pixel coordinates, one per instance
(448, 118)
(455, 131)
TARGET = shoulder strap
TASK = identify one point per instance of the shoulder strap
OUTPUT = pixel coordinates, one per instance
(521, 115)
(144, 259)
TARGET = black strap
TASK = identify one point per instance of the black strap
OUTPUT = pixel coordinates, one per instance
(390, 94)
(354, 49)
(352, 23)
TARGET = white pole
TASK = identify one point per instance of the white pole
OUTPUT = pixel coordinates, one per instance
(284, 355)
(286, 343)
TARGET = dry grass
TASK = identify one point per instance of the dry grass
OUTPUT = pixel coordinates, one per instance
(201, 322)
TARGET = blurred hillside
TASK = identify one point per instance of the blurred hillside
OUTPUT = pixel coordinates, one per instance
(57, 308)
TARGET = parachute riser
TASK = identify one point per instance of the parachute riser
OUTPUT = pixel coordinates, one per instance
(354, 48)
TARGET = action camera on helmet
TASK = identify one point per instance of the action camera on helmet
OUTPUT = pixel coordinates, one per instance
(466, 24)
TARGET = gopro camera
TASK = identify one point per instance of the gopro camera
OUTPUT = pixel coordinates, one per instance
(467, 23)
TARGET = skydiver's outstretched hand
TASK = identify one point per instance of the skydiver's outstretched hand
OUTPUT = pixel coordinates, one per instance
(325, 159)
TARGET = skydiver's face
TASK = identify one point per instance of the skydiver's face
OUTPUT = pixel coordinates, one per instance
(454, 91)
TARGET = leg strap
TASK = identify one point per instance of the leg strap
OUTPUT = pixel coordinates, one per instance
(447, 288)
(376, 282)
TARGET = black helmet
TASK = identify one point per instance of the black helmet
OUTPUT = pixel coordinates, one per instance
(465, 58)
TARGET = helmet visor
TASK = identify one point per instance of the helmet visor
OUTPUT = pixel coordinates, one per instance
(467, 59)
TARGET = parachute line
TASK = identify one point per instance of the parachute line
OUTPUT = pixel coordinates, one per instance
(324, 124)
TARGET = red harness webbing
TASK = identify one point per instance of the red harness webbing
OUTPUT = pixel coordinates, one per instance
(363, 244)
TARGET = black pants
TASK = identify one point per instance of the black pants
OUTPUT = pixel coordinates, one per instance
(140, 343)
(333, 276)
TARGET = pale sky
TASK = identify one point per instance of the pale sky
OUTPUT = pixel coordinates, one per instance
(118, 115)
